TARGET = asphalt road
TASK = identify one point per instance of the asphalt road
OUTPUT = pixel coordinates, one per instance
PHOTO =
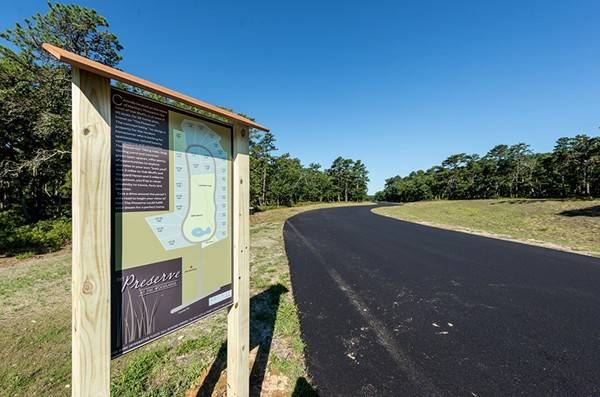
(394, 308)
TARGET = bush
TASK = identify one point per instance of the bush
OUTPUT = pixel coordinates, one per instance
(43, 236)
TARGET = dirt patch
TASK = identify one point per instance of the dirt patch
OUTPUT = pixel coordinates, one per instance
(212, 384)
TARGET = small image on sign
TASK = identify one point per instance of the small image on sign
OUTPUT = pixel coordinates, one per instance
(143, 298)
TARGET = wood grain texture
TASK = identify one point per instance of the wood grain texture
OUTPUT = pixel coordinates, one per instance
(91, 234)
(112, 73)
(238, 318)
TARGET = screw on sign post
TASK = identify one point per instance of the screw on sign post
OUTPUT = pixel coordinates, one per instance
(160, 221)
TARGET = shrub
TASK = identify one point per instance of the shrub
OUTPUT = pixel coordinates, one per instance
(43, 236)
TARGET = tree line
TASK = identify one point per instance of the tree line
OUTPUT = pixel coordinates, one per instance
(572, 169)
(283, 180)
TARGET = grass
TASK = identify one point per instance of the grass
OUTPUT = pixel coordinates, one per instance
(36, 335)
(566, 224)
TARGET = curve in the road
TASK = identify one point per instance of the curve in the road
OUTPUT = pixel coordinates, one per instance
(394, 308)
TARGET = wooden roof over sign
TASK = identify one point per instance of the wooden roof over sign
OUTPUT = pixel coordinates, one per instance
(115, 74)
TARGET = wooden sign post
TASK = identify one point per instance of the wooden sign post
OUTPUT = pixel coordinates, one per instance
(238, 318)
(91, 201)
(91, 234)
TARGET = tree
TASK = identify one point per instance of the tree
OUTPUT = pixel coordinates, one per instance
(341, 175)
(318, 184)
(35, 122)
(498, 170)
(359, 179)
(456, 183)
(521, 165)
(578, 160)
(261, 147)
(287, 180)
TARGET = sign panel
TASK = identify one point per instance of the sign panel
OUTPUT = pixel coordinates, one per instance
(171, 219)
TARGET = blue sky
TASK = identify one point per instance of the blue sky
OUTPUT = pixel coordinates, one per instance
(399, 85)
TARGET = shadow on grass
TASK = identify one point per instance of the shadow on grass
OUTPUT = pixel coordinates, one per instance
(521, 201)
(263, 313)
(592, 211)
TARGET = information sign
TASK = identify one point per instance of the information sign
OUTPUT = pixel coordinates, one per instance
(171, 215)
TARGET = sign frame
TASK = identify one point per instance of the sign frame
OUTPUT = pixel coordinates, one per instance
(91, 212)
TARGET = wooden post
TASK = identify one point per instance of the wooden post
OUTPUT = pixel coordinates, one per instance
(238, 318)
(91, 234)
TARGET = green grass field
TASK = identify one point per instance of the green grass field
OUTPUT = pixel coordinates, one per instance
(567, 224)
(36, 341)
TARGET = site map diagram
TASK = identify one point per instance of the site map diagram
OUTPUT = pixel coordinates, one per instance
(200, 185)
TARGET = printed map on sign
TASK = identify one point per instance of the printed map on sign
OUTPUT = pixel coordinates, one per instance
(200, 196)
